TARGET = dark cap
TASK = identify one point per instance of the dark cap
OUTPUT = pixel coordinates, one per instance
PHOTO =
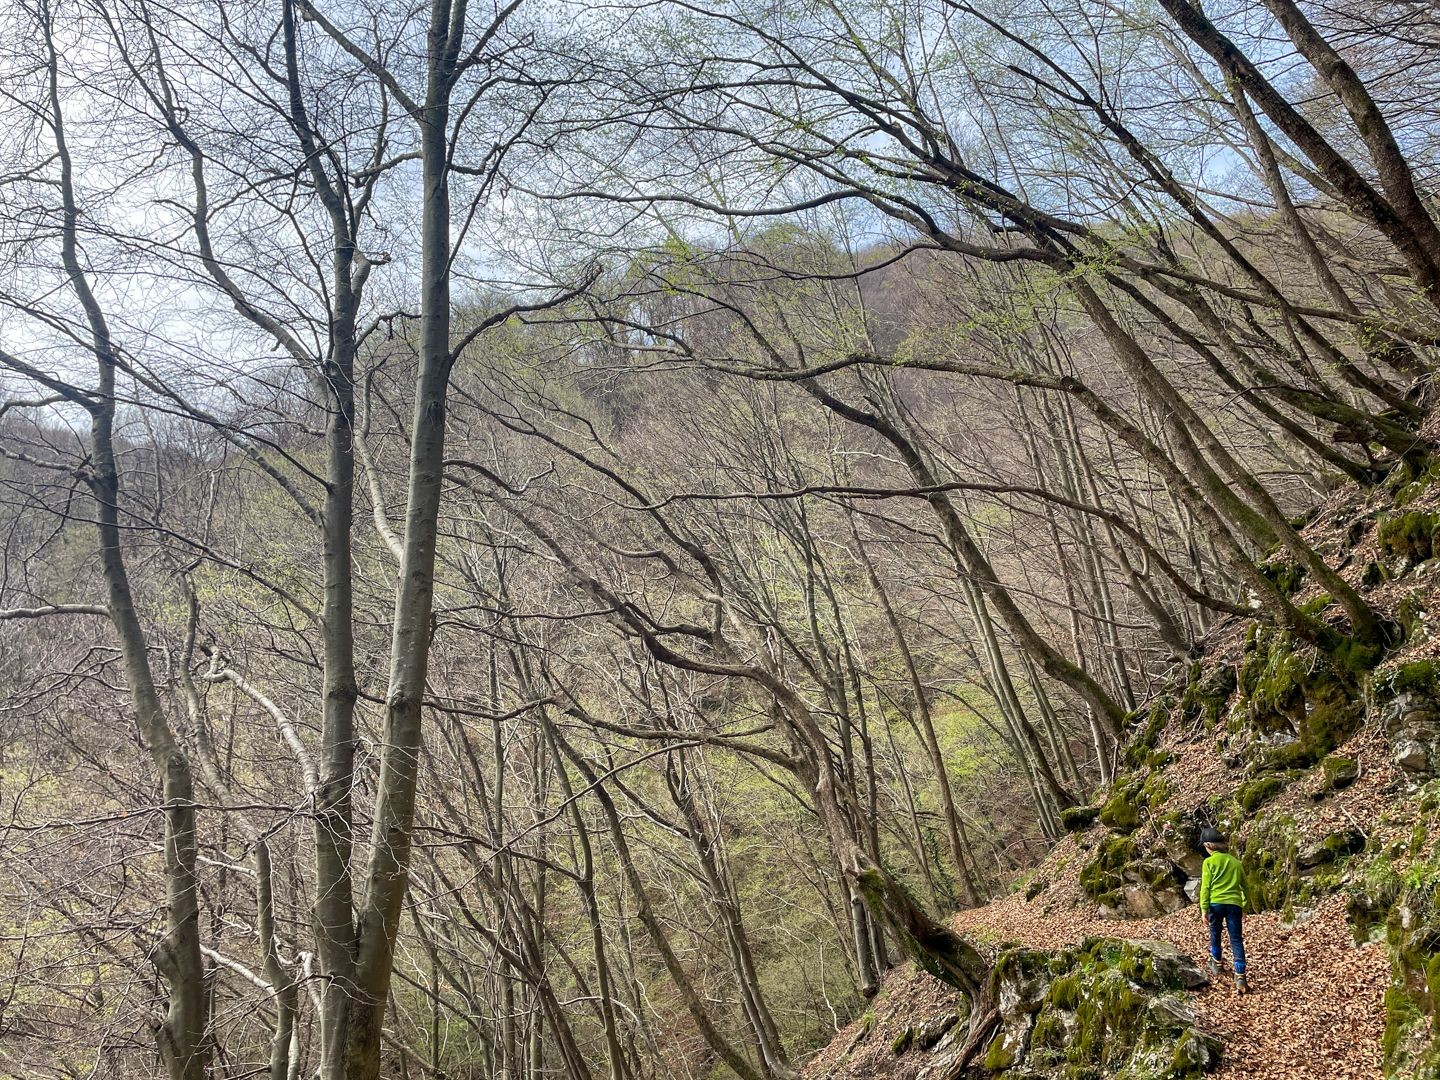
(1211, 836)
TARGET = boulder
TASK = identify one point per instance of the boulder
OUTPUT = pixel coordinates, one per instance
(1110, 1007)
(1332, 848)
(1413, 754)
(1173, 968)
(1147, 902)
(1409, 700)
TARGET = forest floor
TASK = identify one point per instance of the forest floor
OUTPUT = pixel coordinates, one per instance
(1315, 1010)
(1315, 1006)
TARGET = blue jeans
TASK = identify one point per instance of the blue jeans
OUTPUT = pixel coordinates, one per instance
(1231, 915)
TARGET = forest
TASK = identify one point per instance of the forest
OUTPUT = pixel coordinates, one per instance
(557, 539)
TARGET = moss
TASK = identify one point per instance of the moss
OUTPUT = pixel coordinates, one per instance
(1079, 818)
(1408, 483)
(1268, 863)
(1340, 772)
(1285, 574)
(1300, 690)
(1373, 575)
(1049, 1031)
(1207, 693)
(1286, 758)
(1402, 1014)
(1065, 992)
(1315, 605)
(903, 1041)
(1095, 1018)
(1342, 844)
(1149, 736)
(1411, 616)
(1100, 878)
(1273, 679)
(1121, 810)
(1158, 759)
(1106, 1018)
(1255, 793)
(1193, 1054)
(1417, 677)
(1021, 963)
(931, 945)
(1410, 535)
(998, 1057)
(1155, 791)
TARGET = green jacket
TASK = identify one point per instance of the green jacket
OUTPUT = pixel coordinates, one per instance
(1222, 881)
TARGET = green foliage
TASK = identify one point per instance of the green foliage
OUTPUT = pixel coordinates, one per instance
(1411, 535)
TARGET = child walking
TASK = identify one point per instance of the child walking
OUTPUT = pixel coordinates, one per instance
(1222, 902)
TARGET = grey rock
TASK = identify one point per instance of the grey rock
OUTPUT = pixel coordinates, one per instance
(1173, 967)
(933, 1030)
(1198, 1050)
(1171, 1013)
(1411, 755)
(1140, 901)
(1335, 846)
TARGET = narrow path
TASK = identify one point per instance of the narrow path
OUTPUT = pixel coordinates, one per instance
(1316, 1010)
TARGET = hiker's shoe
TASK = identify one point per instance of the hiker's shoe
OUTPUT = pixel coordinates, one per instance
(1212, 966)
(1241, 986)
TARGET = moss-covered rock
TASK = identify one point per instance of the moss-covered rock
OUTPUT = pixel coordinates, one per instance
(1407, 482)
(1253, 794)
(1339, 773)
(1121, 811)
(1100, 878)
(1079, 818)
(1399, 903)
(1413, 536)
(1329, 849)
(1407, 698)
(1268, 862)
(1145, 740)
(1110, 1008)
(1308, 699)
(1286, 575)
(1207, 693)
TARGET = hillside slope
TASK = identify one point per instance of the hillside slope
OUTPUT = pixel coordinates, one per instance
(1321, 766)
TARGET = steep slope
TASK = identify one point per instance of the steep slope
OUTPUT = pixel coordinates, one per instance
(1320, 763)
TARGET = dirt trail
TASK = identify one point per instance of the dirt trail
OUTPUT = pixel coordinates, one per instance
(1294, 1024)
(1316, 1011)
